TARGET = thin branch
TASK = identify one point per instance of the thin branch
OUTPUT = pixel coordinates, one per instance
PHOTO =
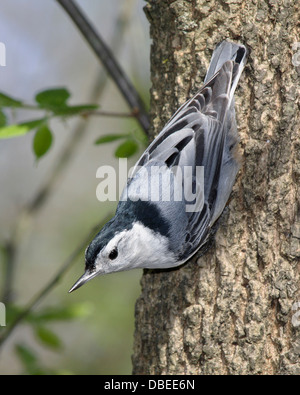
(106, 57)
(53, 283)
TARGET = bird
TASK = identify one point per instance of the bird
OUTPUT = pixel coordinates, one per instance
(151, 230)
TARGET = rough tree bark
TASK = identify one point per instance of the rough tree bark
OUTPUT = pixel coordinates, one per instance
(231, 311)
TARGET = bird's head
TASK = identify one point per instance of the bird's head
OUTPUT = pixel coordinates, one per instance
(136, 237)
(109, 252)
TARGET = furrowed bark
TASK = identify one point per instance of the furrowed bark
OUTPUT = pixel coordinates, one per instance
(234, 310)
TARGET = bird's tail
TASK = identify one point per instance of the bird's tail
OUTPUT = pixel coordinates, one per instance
(227, 51)
(224, 52)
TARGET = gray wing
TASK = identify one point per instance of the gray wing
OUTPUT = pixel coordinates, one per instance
(202, 133)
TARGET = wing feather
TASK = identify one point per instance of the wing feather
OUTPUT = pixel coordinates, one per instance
(203, 133)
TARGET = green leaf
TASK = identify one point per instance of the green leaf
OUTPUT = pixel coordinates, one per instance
(2, 119)
(53, 98)
(34, 123)
(21, 129)
(48, 338)
(110, 138)
(42, 141)
(7, 101)
(25, 355)
(127, 149)
(29, 360)
(8, 132)
(65, 313)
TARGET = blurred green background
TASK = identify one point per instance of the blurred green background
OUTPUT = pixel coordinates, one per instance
(45, 50)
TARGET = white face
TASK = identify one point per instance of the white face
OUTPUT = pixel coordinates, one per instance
(138, 247)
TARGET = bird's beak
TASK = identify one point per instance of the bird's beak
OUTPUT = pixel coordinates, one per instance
(84, 279)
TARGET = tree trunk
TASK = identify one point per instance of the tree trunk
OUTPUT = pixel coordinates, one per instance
(234, 310)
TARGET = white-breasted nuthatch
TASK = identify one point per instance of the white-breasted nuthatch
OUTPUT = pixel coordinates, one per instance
(164, 233)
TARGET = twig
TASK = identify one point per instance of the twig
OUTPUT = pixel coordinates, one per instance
(48, 288)
(106, 57)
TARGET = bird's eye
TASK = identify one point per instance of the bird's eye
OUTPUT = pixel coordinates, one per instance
(114, 254)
